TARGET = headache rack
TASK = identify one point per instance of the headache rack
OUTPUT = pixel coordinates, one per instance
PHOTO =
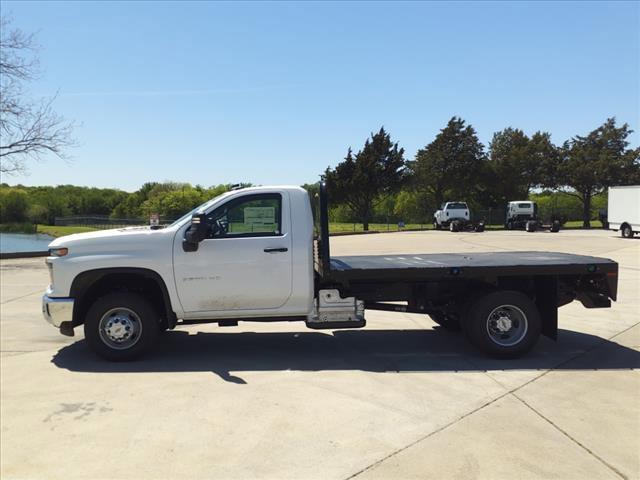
(321, 253)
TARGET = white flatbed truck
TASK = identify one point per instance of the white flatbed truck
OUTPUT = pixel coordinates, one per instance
(252, 255)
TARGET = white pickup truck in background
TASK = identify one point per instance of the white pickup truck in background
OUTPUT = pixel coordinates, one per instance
(624, 210)
(449, 212)
(251, 255)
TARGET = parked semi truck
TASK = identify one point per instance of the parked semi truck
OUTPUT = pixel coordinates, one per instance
(524, 214)
(624, 210)
(519, 213)
(252, 255)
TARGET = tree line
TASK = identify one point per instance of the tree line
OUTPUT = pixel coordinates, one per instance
(378, 184)
(457, 166)
(20, 204)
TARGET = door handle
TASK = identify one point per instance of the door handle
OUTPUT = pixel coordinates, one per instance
(276, 250)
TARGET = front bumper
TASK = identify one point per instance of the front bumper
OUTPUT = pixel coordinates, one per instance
(57, 310)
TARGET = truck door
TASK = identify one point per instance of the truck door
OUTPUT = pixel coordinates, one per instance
(245, 261)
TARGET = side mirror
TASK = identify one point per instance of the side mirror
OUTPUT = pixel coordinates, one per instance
(196, 232)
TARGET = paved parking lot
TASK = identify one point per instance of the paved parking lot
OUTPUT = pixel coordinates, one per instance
(399, 399)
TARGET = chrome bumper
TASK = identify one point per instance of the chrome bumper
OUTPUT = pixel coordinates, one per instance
(57, 310)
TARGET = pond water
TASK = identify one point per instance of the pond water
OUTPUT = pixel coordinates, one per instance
(23, 242)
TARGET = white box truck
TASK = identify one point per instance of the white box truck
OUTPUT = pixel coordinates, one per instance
(624, 210)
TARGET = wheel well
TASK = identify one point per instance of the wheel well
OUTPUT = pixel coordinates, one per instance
(89, 286)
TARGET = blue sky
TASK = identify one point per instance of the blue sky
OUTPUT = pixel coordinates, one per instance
(275, 92)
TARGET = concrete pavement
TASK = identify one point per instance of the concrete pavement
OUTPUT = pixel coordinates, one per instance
(399, 399)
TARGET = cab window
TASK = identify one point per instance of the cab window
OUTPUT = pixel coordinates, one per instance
(249, 216)
(457, 206)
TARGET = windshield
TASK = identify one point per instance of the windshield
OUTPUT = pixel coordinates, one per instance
(457, 206)
(199, 207)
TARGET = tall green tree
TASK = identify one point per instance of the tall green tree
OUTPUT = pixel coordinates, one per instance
(596, 161)
(364, 179)
(509, 158)
(13, 205)
(519, 163)
(544, 156)
(451, 164)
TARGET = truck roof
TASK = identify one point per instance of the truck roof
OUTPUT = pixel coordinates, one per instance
(262, 188)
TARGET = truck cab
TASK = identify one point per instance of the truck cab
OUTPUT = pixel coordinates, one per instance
(519, 212)
(450, 211)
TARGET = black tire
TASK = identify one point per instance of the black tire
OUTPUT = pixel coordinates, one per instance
(555, 226)
(447, 322)
(479, 228)
(483, 328)
(626, 231)
(509, 225)
(129, 307)
(531, 226)
(454, 226)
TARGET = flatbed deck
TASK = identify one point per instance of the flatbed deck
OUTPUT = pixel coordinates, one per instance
(432, 265)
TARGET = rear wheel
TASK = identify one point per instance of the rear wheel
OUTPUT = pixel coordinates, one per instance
(626, 231)
(121, 326)
(503, 324)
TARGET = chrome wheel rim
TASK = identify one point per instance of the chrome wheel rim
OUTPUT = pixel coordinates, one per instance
(120, 328)
(507, 325)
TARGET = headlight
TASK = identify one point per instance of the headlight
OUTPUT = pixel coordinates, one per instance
(58, 252)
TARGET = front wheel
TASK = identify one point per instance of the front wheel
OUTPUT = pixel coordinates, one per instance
(121, 326)
(503, 324)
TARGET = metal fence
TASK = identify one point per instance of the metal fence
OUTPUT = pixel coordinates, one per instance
(490, 216)
(497, 216)
(104, 221)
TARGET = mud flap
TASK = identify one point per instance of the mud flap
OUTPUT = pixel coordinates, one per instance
(547, 303)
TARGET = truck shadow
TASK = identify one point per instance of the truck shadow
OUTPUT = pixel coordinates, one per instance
(366, 350)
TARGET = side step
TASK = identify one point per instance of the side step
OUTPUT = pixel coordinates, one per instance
(336, 325)
(227, 323)
(331, 311)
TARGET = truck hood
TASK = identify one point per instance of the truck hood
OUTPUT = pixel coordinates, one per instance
(109, 240)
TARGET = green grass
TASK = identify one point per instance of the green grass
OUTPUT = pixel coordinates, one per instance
(335, 227)
(60, 231)
(578, 224)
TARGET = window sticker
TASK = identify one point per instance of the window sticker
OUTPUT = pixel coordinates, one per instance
(259, 216)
